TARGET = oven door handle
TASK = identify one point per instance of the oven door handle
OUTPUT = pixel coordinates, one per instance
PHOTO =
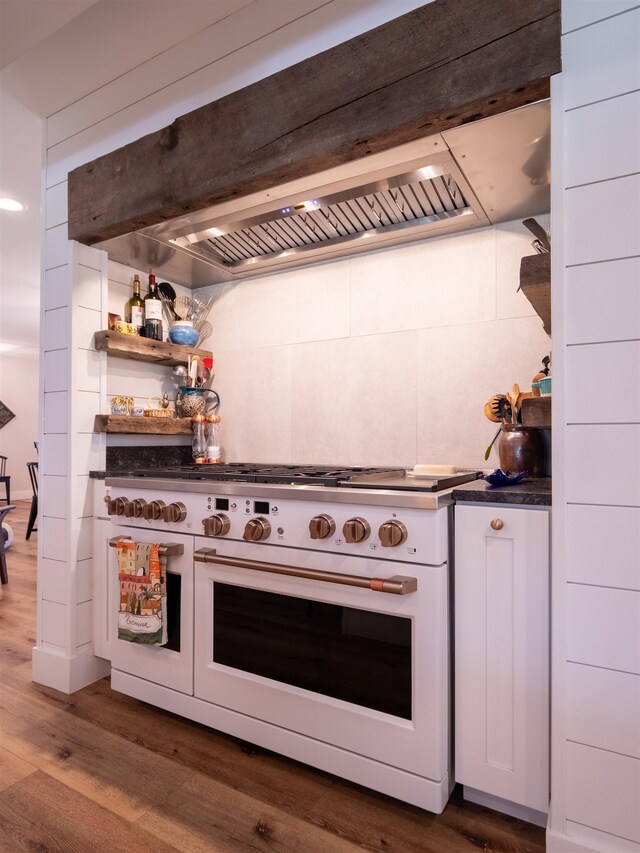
(170, 549)
(396, 585)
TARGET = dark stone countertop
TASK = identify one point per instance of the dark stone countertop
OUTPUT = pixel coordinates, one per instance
(536, 491)
(123, 460)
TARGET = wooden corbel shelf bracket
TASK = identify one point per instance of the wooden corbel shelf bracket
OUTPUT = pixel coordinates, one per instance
(535, 283)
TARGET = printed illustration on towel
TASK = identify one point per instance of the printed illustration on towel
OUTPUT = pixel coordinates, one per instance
(142, 616)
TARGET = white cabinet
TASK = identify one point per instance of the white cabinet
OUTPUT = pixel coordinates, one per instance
(502, 655)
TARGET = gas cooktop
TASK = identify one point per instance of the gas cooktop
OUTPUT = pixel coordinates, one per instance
(239, 472)
(306, 475)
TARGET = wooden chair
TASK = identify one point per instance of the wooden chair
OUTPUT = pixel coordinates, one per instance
(33, 512)
(5, 480)
(3, 560)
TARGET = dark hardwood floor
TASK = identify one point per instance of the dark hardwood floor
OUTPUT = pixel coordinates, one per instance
(99, 772)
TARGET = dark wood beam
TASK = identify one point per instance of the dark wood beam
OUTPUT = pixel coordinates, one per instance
(440, 66)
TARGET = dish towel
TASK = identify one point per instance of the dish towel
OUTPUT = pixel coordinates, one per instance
(142, 615)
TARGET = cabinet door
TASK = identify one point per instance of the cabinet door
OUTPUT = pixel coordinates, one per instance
(502, 652)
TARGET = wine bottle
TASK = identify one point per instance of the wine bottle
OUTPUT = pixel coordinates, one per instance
(134, 308)
(153, 311)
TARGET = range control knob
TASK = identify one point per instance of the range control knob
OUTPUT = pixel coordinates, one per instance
(216, 525)
(117, 506)
(321, 527)
(257, 529)
(356, 530)
(174, 512)
(153, 510)
(135, 508)
(392, 533)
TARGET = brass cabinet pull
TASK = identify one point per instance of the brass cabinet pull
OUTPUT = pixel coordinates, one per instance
(497, 524)
(396, 585)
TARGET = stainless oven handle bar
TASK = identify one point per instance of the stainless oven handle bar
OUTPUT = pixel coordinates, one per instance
(170, 549)
(397, 585)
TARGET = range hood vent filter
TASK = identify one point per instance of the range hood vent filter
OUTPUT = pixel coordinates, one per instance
(411, 199)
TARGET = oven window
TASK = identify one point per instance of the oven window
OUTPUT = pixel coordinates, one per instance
(350, 654)
(174, 592)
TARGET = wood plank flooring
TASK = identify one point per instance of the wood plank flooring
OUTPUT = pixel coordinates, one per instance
(98, 772)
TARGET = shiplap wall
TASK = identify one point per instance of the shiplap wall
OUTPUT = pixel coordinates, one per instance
(596, 555)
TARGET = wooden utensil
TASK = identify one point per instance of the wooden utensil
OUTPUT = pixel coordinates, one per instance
(513, 399)
(492, 408)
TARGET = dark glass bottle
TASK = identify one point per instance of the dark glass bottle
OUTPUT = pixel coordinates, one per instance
(153, 311)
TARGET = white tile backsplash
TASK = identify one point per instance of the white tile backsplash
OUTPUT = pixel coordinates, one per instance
(440, 282)
(255, 390)
(386, 358)
(459, 369)
(308, 304)
(353, 401)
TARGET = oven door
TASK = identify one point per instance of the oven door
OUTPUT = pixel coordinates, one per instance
(170, 665)
(362, 670)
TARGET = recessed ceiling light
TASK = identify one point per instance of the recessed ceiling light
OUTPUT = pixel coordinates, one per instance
(11, 204)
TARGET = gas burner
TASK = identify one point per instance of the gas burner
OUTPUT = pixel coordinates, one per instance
(238, 472)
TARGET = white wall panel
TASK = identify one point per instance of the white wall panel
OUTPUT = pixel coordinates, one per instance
(56, 329)
(84, 580)
(86, 322)
(54, 623)
(86, 407)
(603, 627)
(616, 44)
(603, 545)
(56, 247)
(56, 412)
(602, 464)
(88, 290)
(87, 370)
(579, 13)
(603, 709)
(56, 205)
(57, 288)
(87, 256)
(615, 207)
(603, 791)
(53, 496)
(603, 383)
(593, 839)
(603, 301)
(53, 581)
(56, 370)
(84, 623)
(84, 544)
(604, 139)
(55, 537)
(82, 497)
(54, 455)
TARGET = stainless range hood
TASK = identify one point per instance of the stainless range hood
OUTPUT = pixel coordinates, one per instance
(490, 171)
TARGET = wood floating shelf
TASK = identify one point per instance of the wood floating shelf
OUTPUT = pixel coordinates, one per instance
(144, 349)
(536, 412)
(535, 283)
(134, 425)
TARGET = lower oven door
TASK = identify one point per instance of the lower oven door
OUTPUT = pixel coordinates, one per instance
(363, 670)
(170, 665)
